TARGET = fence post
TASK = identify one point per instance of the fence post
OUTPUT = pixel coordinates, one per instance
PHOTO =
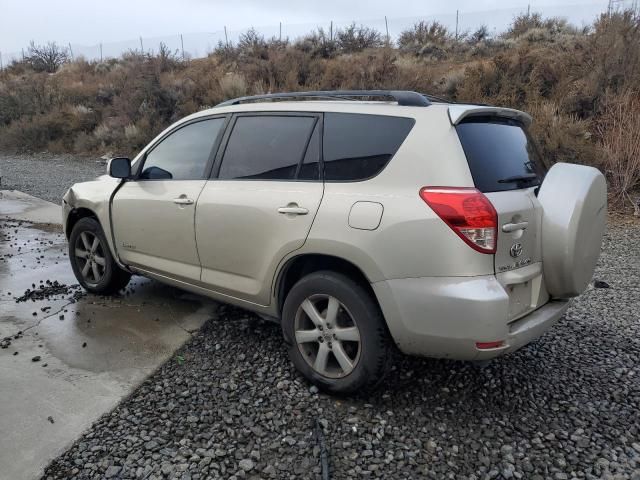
(71, 51)
(280, 37)
(141, 46)
(1, 66)
(182, 46)
(331, 31)
(226, 38)
(100, 52)
(457, 12)
(386, 26)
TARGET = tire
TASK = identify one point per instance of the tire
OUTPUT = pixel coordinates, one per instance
(574, 199)
(367, 355)
(103, 275)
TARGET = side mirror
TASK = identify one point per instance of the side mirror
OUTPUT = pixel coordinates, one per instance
(119, 167)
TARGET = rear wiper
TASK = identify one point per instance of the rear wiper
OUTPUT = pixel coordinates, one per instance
(527, 177)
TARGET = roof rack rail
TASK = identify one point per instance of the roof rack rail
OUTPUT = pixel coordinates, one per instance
(403, 97)
(434, 98)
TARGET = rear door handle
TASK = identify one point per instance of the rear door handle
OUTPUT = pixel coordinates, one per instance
(293, 210)
(512, 227)
(183, 201)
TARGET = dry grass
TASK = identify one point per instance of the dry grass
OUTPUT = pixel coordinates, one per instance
(580, 85)
(620, 141)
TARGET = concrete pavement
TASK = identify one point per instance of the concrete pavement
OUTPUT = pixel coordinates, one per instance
(92, 350)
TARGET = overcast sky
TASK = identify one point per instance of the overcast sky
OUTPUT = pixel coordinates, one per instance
(90, 22)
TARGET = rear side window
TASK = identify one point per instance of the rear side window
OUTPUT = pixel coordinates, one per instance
(357, 147)
(500, 154)
(267, 147)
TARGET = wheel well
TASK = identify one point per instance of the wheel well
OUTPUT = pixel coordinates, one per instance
(75, 215)
(298, 267)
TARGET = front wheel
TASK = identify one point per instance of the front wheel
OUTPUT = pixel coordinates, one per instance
(335, 333)
(91, 259)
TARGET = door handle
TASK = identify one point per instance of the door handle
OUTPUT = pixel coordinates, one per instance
(512, 227)
(293, 210)
(183, 201)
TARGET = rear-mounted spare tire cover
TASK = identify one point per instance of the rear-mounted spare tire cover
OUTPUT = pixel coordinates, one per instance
(574, 198)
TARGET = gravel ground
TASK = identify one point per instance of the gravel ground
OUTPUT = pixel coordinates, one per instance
(229, 405)
(47, 176)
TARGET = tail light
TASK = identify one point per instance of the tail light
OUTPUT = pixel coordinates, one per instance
(468, 212)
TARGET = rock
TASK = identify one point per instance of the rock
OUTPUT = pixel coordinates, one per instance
(506, 449)
(150, 445)
(112, 471)
(246, 464)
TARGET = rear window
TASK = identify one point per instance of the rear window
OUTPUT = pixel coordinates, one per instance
(357, 147)
(500, 154)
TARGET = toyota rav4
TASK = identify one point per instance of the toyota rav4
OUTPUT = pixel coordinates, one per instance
(357, 220)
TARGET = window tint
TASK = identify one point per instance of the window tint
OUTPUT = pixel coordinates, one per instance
(357, 147)
(310, 168)
(184, 154)
(500, 154)
(266, 147)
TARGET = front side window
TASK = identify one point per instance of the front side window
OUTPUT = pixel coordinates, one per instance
(184, 154)
(268, 147)
(357, 147)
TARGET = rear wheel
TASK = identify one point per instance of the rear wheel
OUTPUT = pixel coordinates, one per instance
(335, 333)
(91, 259)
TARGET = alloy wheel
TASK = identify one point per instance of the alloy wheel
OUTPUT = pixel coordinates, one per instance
(90, 256)
(327, 336)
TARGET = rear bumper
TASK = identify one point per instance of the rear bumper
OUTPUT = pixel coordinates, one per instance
(444, 317)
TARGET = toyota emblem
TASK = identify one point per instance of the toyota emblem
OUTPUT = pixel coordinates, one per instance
(516, 250)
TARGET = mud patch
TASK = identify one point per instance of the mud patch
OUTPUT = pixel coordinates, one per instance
(45, 227)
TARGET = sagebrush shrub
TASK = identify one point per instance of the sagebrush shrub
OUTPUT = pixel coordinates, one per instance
(422, 34)
(233, 85)
(619, 130)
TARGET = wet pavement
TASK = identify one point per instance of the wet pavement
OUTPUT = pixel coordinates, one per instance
(68, 357)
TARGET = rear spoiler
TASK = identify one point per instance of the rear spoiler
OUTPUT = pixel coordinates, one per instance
(459, 112)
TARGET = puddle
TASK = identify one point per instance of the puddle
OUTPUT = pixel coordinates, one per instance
(40, 296)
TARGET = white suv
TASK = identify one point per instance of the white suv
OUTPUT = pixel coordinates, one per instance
(355, 223)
